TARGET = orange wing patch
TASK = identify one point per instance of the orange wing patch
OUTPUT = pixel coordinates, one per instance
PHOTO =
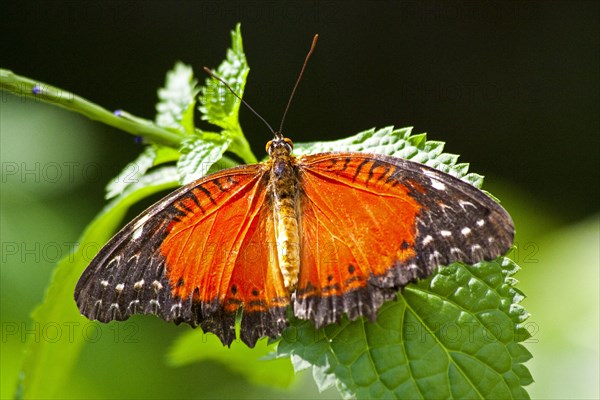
(221, 252)
(204, 238)
(357, 227)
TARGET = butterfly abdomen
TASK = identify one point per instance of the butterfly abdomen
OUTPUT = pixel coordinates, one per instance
(285, 200)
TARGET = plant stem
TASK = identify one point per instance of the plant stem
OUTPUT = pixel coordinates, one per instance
(241, 148)
(39, 91)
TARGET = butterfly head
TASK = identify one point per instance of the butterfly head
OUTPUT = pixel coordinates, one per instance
(279, 145)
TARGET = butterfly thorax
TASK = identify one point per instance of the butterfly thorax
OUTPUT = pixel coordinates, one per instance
(283, 191)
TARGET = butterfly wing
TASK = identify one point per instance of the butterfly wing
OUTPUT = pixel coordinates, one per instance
(196, 256)
(372, 223)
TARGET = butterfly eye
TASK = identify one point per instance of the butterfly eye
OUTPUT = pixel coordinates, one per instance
(289, 143)
(268, 146)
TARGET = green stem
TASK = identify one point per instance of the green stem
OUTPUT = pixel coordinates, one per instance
(241, 147)
(39, 91)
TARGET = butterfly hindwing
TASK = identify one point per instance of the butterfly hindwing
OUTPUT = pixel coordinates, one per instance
(186, 259)
(373, 223)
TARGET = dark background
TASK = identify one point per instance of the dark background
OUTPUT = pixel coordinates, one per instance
(511, 86)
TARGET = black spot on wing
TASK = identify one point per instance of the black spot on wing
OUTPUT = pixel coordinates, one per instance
(346, 162)
(207, 193)
(218, 185)
(360, 166)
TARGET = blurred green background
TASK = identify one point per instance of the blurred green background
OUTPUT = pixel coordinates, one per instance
(512, 87)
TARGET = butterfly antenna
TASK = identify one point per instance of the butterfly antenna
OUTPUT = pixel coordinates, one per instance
(312, 47)
(210, 73)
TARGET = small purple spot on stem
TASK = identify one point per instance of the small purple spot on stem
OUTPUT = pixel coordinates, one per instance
(118, 113)
(37, 89)
(138, 139)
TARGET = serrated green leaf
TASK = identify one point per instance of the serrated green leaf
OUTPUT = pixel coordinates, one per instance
(223, 163)
(217, 104)
(165, 154)
(452, 335)
(199, 154)
(151, 156)
(40, 375)
(398, 143)
(254, 364)
(177, 99)
(131, 173)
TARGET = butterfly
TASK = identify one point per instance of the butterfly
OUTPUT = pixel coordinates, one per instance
(321, 235)
(325, 234)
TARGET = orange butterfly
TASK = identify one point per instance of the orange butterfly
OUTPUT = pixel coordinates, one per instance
(325, 234)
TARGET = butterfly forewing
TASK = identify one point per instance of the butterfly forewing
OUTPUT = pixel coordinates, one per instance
(189, 258)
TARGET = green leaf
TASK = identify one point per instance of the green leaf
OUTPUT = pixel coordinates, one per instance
(254, 364)
(218, 105)
(453, 335)
(398, 143)
(152, 156)
(131, 173)
(200, 154)
(47, 364)
(178, 99)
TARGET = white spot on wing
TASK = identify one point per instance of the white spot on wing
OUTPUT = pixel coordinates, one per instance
(137, 233)
(427, 239)
(175, 307)
(114, 262)
(138, 285)
(136, 257)
(133, 304)
(154, 302)
(456, 250)
(104, 283)
(464, 203)
(480, 222)
(434, 256)
(437, 184)
(443, 207)
(445, 233)
(119, 288)
(157, 285)
(465, 231)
